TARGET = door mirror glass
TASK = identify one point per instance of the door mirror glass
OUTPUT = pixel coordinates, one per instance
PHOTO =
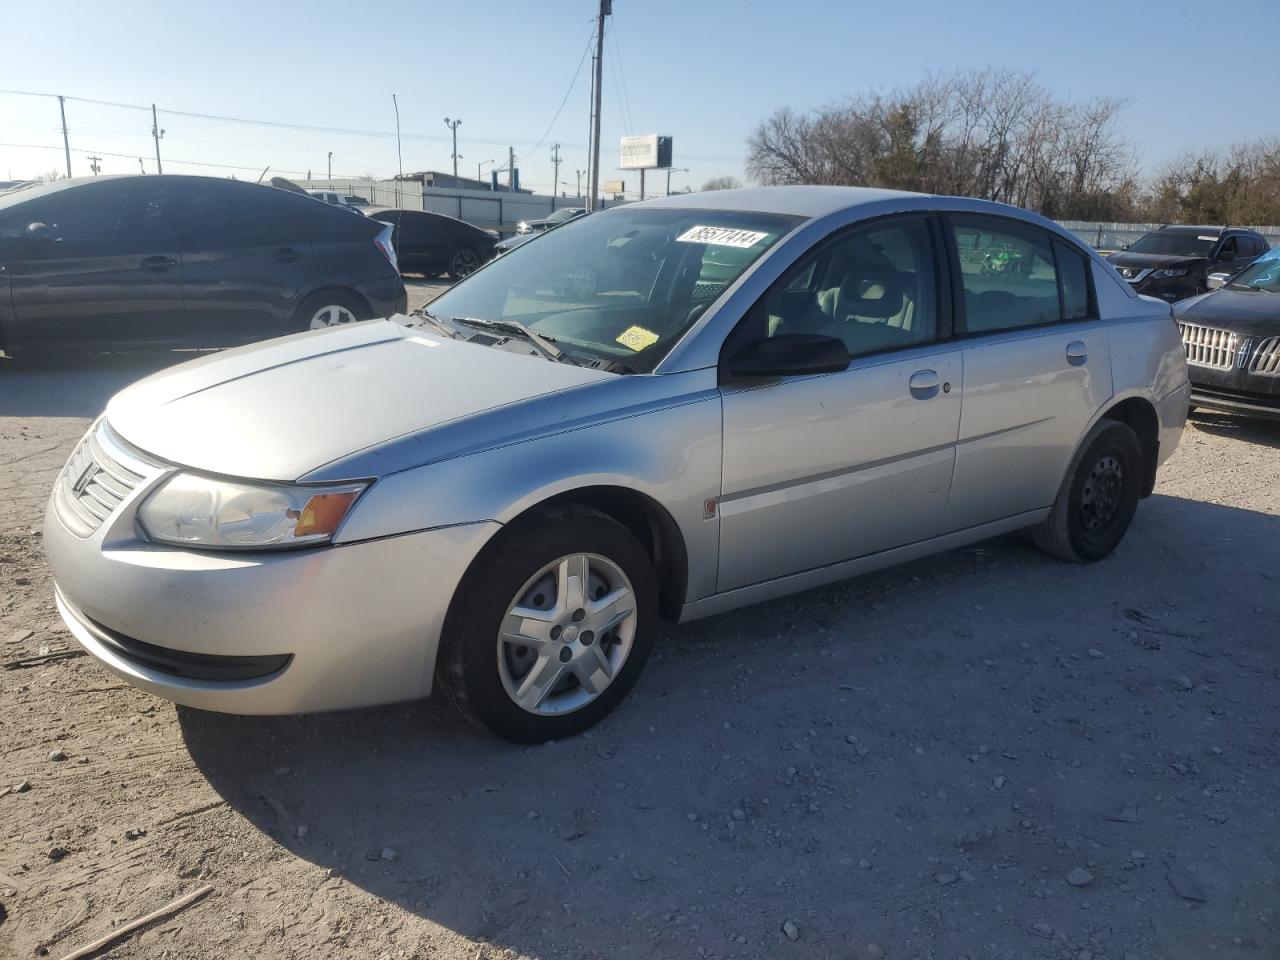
(789, 355)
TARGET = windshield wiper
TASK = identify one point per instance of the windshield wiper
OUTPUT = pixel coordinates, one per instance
(544, 345)
(436, 322)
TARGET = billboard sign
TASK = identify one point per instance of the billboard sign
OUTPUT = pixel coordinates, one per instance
(647, 152)
(615, 186)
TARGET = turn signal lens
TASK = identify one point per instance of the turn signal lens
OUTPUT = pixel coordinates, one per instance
(323, 513)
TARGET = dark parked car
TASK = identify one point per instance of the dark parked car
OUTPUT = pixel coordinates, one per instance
(431, 243)
(563, 215)
(176, 260)
(1232, 336)
(1172, 263)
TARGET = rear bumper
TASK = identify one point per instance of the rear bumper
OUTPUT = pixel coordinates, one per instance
(386, 297)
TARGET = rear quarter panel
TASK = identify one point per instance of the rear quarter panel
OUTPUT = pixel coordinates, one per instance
(1148, 360)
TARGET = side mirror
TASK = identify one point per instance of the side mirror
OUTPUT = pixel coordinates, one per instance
(41, 231)
(789, 355)
(1215, 281)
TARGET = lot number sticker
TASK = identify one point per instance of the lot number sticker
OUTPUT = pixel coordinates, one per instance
(637, 338)
(721, 236)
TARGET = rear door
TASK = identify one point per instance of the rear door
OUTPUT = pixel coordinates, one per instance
(1037, 366)
(820, 469)
(246, 253)
(109, 269)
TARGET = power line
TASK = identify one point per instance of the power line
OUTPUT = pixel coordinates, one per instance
(345, 131)
(565, 99)
(133, 156)
(622, 73)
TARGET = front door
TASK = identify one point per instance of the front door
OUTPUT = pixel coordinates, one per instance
(105, 268)
(820, 469)
(1037, 366)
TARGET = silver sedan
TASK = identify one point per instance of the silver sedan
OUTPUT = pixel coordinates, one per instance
(667, 409)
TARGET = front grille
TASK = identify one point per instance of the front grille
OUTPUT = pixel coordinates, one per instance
(96, 480)
(1209, 346)
(1266, 358)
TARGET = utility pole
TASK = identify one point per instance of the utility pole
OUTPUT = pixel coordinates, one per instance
(66, 144)
(95, 164)
(593, 182)
(142, 166)
(453, 126)
(480, 168)
(579, 173)
(511, 169)
(157, 133)
(330, 169)
(671, 170)
(555, 177)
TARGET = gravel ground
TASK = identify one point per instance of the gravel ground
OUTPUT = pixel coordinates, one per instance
(984, 754)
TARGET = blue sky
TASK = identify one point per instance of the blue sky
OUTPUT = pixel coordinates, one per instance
(703, 71)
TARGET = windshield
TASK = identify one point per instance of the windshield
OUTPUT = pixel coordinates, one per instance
(564, 213)
(619, 286)
(1167, 244)
(1262, 274)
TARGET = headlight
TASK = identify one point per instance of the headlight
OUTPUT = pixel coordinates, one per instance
(190, 510)
(1169, 273)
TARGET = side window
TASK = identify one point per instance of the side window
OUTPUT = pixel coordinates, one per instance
(216, 215)
(1073, 276)
(111, 218)
(1008, 275)
(873, 287)
(1228, 250)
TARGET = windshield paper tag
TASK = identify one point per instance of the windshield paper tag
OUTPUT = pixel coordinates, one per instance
(721, 236)
(637, 338)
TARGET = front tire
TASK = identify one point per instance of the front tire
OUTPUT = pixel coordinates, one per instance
(1098, 498)
(551, 627)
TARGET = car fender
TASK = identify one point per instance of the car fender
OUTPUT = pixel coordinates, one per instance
(671, 454)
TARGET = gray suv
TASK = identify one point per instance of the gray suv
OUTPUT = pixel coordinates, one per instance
(159, 261)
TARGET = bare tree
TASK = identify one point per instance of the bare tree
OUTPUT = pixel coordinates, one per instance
(722, 183)
(995, 134)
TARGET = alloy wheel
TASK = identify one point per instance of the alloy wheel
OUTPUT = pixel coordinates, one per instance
(567, 634)
(465, 262)
(331, 316)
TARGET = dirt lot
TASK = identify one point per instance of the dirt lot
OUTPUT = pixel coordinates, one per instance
(985, 754)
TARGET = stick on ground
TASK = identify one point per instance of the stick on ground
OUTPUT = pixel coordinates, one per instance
(179, 904)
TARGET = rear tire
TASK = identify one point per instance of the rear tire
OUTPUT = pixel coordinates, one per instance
(463, 263)
(1098, 497)
(331, 308)
(488, 675)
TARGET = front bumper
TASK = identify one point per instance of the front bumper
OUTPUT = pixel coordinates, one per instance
(1235, 390)
(260, 633)
(1170, 289)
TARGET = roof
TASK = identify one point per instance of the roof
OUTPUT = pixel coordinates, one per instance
(803, 201)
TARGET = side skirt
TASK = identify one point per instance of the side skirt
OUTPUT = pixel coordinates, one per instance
(821, 576)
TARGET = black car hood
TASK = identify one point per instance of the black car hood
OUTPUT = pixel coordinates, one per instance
(1145, 261)
(1253, 313)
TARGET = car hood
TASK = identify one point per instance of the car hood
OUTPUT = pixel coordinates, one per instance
(280, 409)
(1144, 261)
(1252, 313)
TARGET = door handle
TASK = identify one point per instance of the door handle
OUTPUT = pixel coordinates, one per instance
(1077, 353)
(286, 254)
(158, 264)
(924, 384)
